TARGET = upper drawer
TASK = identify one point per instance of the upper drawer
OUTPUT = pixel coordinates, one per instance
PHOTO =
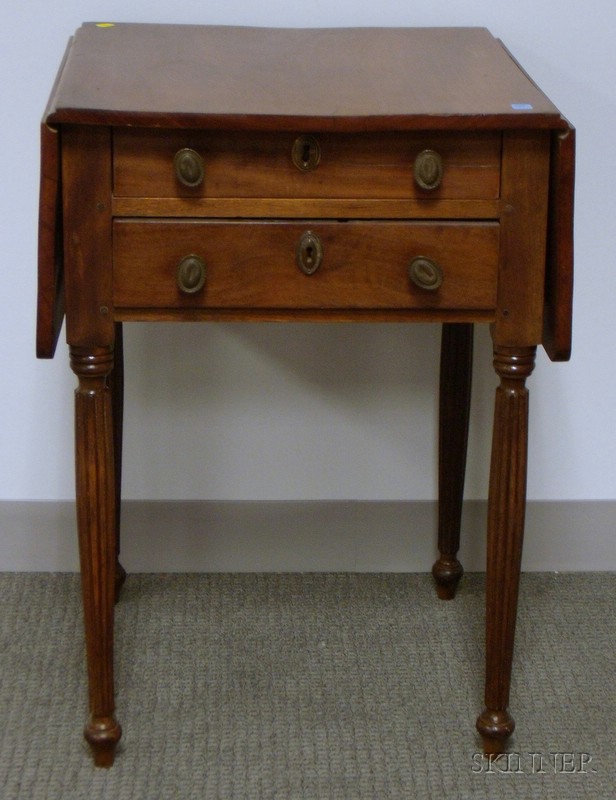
(161, 163)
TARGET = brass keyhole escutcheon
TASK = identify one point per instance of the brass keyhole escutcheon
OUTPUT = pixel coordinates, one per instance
(306, 153)
(425, 273)
(309, 253)
(189, 169)
(428, 169)
(191, 274)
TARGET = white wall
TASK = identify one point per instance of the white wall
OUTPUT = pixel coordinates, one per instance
(302, 411)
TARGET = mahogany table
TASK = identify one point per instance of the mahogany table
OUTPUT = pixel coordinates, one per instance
(222, 173)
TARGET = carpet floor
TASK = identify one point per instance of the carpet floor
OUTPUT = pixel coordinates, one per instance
(308, 687)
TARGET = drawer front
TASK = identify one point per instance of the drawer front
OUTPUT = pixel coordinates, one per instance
(304, 265)
(432, 166)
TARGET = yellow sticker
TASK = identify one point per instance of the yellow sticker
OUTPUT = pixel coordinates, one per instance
(105, 24)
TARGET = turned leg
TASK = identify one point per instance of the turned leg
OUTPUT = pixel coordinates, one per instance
(116, 385)
(454, 407)
(506, 507)
(97, 542)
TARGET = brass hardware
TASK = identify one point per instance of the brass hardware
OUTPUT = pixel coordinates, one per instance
(191, 274)
(188, 165)
(428, 169)
(425, 273)
(306, 153)
(309, 253)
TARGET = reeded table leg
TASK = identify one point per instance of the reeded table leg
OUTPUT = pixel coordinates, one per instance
(116, 384)
(97, 540)
(454, 407)
(506, 509)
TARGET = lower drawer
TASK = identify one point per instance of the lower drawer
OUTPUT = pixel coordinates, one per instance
(307, 264)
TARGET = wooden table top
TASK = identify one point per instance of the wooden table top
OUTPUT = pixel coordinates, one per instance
(334, 79)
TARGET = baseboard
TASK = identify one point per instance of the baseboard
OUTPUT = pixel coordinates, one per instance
(303, 536)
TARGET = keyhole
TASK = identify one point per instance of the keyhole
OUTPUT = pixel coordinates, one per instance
(309, 253)
(306, 153)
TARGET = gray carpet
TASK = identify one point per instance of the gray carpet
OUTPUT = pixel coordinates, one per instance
(333, 686)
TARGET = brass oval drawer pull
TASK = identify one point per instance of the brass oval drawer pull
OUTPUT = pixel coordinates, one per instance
(309, 253)
(425, 273)
(306, 153)
(191, 274)
(428, 169)
(188, 165)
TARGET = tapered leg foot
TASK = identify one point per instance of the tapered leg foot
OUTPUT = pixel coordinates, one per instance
(447, 572)
(495, 728)
(103, 734)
